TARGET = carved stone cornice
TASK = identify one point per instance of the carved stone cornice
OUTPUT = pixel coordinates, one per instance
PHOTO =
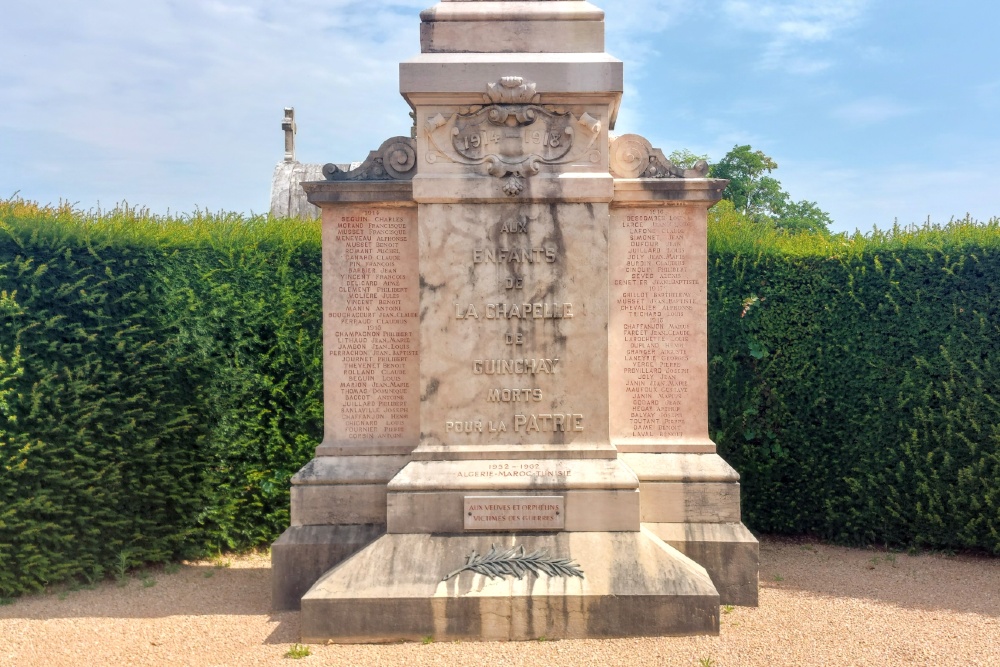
(632, 156)
(395, 159)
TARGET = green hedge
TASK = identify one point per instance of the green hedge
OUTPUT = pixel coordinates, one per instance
(160, 381)
(855, 381)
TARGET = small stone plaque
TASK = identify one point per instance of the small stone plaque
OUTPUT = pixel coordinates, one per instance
(515, 513)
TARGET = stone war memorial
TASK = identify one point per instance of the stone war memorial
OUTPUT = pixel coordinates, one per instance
(515, 361)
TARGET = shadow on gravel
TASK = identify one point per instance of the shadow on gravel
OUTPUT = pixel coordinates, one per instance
(195, 590)
(931, 582)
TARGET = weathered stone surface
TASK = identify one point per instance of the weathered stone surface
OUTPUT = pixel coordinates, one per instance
(682, 502)
(428, 496)
(349, 470)
(440, 511)
(633, 585)
(686, 487)
(728, 551)
(512, 37)
(338, 504)
(675, 467)
(659, 326)
(370, 326)
(557, 74)
(303, 553)
(514, 325)
(343, 490)
(288, 199)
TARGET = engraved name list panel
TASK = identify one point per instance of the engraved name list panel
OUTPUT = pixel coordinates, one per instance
(659, 330)
(370, 330)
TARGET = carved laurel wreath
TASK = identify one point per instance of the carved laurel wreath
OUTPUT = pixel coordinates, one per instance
(514, 562)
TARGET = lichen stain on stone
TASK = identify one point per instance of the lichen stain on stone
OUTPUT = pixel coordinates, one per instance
(432, 386)
(426, 286)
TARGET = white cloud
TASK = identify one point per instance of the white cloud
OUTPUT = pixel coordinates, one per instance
(793, 28)
(167, 91)
(871, 110)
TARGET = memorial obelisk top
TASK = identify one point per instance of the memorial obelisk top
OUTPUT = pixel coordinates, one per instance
(572, 26)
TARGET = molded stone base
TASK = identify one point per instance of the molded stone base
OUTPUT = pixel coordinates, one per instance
(634, 585)
(303, 553)
(601, 495)
(342, 490)
(686, 488)
(729, 552)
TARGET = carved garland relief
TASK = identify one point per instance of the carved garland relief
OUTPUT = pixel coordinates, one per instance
(512, 135)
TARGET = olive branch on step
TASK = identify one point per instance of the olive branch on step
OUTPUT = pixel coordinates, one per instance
(515, 562)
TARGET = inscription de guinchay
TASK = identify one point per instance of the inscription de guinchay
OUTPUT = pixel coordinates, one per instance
(371, 303)
(658, 317)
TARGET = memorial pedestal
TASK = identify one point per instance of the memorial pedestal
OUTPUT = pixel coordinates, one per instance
(515, 339)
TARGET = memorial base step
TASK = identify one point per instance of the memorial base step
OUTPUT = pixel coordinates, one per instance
(728, 551)
(396, 589)
(303, 553)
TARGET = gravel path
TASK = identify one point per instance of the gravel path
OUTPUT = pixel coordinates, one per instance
(819, 605)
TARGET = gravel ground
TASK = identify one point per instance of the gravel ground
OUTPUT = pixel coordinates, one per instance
(819, 605)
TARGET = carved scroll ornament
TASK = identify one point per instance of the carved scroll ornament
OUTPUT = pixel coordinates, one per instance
(512, 135)
(632, 156)
(395, 159)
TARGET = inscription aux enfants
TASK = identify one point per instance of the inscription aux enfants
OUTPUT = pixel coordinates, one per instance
(512, 257)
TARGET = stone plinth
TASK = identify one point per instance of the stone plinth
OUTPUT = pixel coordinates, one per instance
(634, 585)
(303, 553)
(728, 552)
(530, 27)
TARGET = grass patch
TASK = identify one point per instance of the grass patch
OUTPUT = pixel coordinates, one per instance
(298, 651)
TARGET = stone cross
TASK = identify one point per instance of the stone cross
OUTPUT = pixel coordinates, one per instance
(288, 125)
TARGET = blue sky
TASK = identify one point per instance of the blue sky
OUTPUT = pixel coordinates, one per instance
(875, 109)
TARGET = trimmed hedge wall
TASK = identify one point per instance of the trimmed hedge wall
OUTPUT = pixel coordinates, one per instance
(160, 382)
(855, 382)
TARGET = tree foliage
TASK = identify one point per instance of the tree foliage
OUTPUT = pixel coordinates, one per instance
(759, 196)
